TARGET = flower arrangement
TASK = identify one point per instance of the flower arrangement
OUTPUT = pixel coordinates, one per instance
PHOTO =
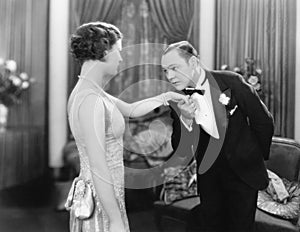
(251, 74)
(12, 85)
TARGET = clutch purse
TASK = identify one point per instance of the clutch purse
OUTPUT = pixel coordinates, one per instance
(80, 199)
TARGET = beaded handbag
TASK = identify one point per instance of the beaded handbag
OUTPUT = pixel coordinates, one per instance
(80, 199)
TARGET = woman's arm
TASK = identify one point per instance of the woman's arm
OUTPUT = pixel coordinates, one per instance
(92, 122)
(140, 108)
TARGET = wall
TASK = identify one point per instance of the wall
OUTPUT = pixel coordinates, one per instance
(297, 92)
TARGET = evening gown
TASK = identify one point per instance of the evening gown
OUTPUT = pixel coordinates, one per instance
(114, 129)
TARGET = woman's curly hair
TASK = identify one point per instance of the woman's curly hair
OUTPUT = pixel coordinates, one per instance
(91, 41)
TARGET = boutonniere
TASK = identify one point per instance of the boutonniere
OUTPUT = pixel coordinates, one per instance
(224, 99)
(229, 103)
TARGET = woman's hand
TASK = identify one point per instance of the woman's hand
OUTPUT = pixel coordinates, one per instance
(177, 97)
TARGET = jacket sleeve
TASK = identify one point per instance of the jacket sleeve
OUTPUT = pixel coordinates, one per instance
(257, 115)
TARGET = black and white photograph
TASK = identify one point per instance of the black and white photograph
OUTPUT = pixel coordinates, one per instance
(149, 116)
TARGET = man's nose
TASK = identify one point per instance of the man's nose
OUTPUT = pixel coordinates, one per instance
(170, 74)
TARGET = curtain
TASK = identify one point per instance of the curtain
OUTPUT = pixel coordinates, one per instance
(140, 73)
(174, 18)
(84, 11)
(24, 38)
(265, 31)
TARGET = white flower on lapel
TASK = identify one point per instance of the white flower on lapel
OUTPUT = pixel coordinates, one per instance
(224, 99)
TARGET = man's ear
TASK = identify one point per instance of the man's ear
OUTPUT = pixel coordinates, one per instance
(193, 62)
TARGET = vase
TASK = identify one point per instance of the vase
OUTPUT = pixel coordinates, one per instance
(3, 117)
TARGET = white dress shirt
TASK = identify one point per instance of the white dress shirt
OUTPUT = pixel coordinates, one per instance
(204, 114)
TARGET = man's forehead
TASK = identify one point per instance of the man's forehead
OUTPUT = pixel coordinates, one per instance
(172, 58)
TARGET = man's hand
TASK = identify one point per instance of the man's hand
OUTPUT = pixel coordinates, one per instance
(187, 109)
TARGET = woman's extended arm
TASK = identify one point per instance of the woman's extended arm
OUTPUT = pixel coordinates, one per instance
(142, 107)
(92, 122)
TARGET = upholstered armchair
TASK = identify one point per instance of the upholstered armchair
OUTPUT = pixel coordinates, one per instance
(284, 161)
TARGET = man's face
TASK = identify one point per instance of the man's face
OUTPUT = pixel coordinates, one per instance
(178, 71)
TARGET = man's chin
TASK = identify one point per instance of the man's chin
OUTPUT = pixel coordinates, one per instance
(178, 87)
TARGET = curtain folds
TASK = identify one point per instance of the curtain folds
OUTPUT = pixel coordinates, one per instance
(24, 38)
(143, 44)
(174, 18)
(265, 31)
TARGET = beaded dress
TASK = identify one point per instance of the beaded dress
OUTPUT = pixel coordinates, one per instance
(114, 129)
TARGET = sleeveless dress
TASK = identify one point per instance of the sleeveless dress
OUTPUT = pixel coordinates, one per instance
(114, 129)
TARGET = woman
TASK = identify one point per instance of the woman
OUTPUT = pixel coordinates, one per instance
(97, 124)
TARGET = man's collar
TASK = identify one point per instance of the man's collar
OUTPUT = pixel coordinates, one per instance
(202, 79)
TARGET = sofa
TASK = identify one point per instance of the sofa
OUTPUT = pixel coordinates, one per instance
(284, 161)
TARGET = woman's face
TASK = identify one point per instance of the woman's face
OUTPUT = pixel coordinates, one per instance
(113, 58)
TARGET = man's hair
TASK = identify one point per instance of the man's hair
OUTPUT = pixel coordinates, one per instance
(184, 49)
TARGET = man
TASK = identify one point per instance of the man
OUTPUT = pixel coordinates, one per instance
(229, 130)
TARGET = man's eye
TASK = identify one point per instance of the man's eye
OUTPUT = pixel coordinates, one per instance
(173, 68)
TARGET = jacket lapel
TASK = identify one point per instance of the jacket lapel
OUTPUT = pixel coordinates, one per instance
(215, 145)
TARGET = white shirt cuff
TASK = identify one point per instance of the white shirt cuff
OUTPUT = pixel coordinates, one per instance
(188, 126)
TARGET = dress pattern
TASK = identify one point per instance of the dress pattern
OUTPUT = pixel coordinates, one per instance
(114, 130)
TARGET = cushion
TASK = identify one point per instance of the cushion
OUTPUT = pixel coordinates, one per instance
(180, 183)
(265, 222)
(269, 202)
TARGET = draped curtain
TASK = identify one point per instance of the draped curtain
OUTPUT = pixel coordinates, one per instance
(265, 31)
(140, 73)
(174, 18)
(24, 38)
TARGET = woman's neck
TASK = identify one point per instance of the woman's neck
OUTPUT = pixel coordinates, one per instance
(93, 70)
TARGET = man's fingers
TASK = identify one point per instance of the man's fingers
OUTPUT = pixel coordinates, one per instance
(181, 102)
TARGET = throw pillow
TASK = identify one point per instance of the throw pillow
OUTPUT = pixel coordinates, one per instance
(268, 201)
(180, 183)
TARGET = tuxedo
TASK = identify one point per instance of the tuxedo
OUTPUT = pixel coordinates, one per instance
(231, 169)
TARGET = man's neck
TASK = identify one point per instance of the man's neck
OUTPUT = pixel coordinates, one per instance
(198, 78)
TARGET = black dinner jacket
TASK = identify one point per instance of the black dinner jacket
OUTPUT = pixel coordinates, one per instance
(245, 133)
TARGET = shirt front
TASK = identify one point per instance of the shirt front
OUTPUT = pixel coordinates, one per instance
(204, 114)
